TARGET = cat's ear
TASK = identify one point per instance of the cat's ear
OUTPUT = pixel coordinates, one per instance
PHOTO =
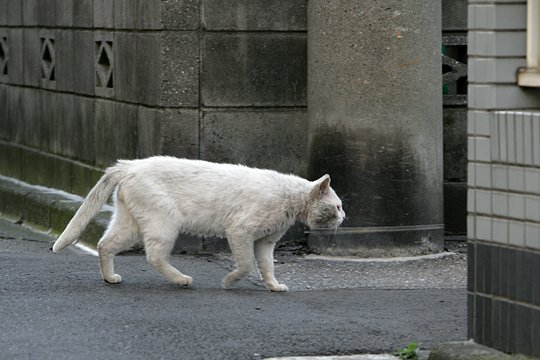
(321, 186)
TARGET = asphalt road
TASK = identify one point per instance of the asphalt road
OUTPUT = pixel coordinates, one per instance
(55, 306)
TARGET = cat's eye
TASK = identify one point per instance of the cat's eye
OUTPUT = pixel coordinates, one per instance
(338, 207)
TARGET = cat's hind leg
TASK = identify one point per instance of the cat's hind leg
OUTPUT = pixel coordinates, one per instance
(121, 235)
(264, 252)
(158, 250)
(242, 250)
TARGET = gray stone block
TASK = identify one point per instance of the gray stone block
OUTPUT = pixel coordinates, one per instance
(30, 12)
(62, 171)
(158, 69)
(180, 132)
(104, 118)
(46, 13)
(116, 131)
(64, 49)
(4, 93)
(84, 126)
(3, 12)
(64, 141)
(248, 69)
(32, 117)
(180, 14)
(178, 81)
(59, 174)
(125, 14)
(83, 13)
(47, 106)
(146, 67)
(16, 62)
(14, 8)
(149, 69)
(147, 14)
(103, 14)
(125, 73)
(83, 62)
(37, 168)
(268, 139)
(156, 14)
(255, 15)
(15, 121)
(11, 161)
(148, 132)
(124, 130)
(64, 12)
(31, 57)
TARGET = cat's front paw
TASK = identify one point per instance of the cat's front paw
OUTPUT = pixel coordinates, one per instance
(277, 287)
(113, 279)
(184, 280)
(227, 283)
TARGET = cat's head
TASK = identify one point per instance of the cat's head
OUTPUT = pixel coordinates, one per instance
(325, 210)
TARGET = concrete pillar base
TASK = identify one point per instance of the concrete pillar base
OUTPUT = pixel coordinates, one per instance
(405, 241)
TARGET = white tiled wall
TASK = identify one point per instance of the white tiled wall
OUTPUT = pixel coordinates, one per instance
(504, 177)
(503, 127)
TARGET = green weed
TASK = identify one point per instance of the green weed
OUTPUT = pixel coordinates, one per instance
(408, 353)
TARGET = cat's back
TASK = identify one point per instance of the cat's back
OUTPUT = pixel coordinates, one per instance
(163, 169)
(211, 197)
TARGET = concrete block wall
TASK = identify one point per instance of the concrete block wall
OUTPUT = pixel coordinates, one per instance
(503, 182)
(253, 83)
(85, 82)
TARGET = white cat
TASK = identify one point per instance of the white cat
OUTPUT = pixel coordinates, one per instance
(159, 197)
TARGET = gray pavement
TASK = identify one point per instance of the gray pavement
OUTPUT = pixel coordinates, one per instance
(55, 306)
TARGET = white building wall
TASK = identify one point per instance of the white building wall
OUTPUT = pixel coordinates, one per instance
(503, 221)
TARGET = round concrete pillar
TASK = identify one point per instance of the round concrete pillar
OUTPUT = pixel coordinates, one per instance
(375, 122)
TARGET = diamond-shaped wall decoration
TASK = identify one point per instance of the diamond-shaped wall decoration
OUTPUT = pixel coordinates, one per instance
(48, 59)
(4, 56)
(104, 64)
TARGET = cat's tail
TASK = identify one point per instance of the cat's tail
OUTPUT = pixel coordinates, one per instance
(96, 198)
